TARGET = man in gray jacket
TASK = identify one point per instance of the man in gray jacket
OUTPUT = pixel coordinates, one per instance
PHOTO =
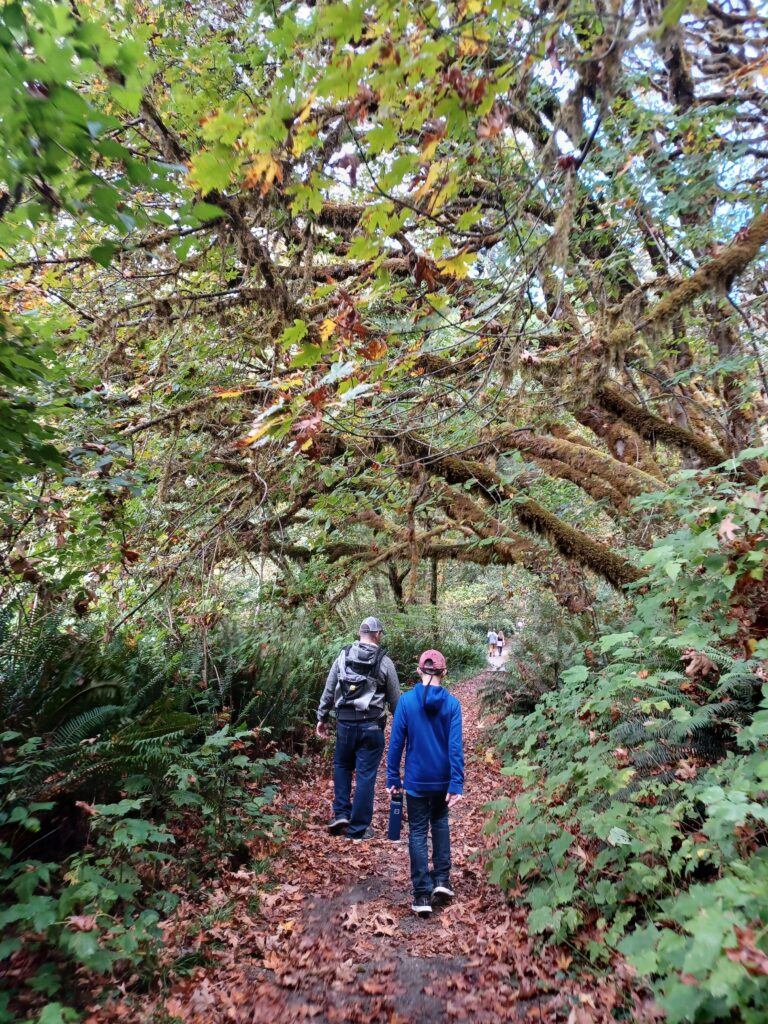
(362, 681)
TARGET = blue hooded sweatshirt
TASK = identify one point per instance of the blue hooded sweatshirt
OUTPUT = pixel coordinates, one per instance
(427, 722)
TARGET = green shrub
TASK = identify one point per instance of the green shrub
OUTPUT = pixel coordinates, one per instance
(100, 711)
(52, 672)
(274, 683)
(113, 750)
(99, 909)
(642, 826)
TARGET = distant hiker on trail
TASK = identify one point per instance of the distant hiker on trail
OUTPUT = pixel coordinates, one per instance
(428, 723)
(491, 642)
(361, 681)
(500, 642)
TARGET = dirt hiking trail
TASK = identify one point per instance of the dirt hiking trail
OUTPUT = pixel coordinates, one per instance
(326, 933)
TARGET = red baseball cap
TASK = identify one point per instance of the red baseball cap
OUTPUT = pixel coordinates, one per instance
(432, 661)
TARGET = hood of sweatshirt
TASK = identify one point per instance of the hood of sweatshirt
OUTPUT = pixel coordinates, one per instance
(433, 698)
(365, 654)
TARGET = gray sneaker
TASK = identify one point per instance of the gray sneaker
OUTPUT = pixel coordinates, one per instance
(338, 825)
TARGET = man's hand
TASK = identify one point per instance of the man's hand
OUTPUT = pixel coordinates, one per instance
(452, 799)
(323, 731)
(393, 789)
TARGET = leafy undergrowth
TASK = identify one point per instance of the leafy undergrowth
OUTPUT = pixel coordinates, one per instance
(125, 781)
(641, 825)
(327, 933)
(97, 918)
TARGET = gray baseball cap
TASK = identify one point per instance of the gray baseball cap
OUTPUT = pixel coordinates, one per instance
(371, 625)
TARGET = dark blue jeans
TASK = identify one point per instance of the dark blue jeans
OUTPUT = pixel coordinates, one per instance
(359, 746)
(424, 811)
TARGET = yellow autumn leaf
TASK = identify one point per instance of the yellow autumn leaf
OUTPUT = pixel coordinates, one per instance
(434, 175)
(304, 113)
(428, 151)
(286, 383)
(457, 266)
(472, 43)
(442, 197)
(258, 432)
(303, 134)
(326, 329)
(438, 187)
(264, 170)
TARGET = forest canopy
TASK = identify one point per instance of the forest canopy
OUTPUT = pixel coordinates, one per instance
(356, 287)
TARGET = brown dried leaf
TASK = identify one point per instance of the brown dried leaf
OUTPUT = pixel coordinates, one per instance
(374, 349)
(383, 923)
(83, 922)
(747, 953)
(698, 664)
(727, 529)
(580, 1015)
(493, 124)
(686, 770)
(351, 919)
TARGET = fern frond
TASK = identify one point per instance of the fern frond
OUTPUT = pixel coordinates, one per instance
(85, 725)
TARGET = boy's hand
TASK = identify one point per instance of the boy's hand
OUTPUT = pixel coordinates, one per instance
(393, 789)
(453, 798)
(322, 730)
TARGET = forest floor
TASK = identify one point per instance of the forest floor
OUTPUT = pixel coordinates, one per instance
(326, 932)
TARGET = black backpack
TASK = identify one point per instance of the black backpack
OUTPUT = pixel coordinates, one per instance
(369, 670)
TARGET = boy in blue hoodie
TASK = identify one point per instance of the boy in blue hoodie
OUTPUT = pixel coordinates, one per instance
(427, 723)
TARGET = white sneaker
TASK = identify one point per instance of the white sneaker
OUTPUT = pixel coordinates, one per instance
(422, 907)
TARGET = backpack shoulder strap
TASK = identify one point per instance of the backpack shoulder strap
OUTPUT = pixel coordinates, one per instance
(381, 684)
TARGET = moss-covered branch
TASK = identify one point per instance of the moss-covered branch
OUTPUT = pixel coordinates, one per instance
(653, 427)
(717, 273)
(569, 541)
(583, 459)
(625, 444)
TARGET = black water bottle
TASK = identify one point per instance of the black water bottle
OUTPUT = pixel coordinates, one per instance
(395, 816)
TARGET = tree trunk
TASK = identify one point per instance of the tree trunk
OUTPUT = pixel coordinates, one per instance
(433, 582)
(396, 585)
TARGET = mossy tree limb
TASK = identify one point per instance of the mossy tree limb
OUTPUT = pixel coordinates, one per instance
(625, 479)
(572, 543)
(655, 428)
